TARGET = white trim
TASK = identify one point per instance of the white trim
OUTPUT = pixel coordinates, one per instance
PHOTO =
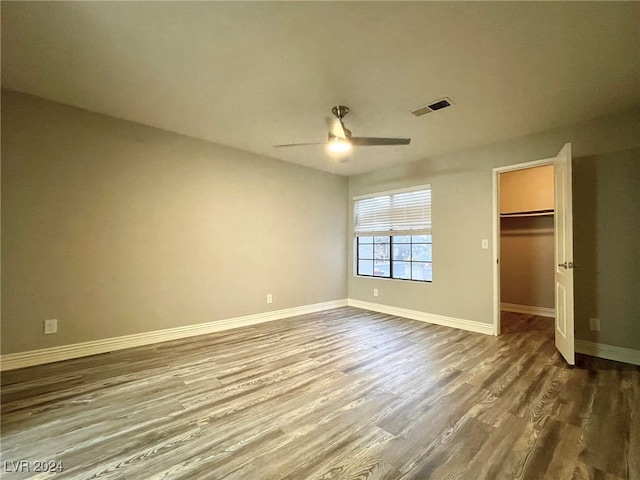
(610, 352)
(391, 192)
(525, 165)
(469, 325)
(496, 252)
(65, 352)
(528, 309)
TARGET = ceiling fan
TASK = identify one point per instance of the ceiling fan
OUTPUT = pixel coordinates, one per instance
(340, 139)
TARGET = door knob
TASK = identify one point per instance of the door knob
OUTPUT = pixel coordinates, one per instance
(566, 265)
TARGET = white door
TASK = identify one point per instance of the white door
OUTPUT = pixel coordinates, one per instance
(564, 254)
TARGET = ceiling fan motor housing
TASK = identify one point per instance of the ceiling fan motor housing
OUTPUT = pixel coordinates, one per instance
(340, 111)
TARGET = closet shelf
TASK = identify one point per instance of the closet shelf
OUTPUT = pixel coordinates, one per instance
(536, 213)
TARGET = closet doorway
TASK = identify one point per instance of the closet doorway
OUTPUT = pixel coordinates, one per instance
(533, 244)
(527, 241)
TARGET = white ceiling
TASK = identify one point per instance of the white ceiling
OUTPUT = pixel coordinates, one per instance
(252, 75)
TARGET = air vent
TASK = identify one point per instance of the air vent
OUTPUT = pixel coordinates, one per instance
(432, 107)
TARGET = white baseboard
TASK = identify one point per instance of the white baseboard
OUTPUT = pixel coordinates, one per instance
(469, 325)
(610, 352)
(529, 310)
(65, 352)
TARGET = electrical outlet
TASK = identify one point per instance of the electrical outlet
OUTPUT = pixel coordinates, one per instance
(50, 326)
(269, 298)
(375, 292)
(594, 324)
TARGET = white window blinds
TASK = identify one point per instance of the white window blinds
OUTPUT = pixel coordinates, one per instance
(403, 212)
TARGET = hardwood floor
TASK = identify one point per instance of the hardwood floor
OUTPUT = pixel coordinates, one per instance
(343, 394)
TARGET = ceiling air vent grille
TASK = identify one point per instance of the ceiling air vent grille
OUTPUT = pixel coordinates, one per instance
(432, 107)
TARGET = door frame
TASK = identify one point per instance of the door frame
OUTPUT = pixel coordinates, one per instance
(496, 230)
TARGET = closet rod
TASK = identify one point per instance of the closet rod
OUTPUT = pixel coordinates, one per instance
(539, 213)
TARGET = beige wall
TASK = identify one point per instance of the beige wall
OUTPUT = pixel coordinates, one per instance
(606, 216)
(462, 216)
(527, 190)
(526, 261)
(115, 228)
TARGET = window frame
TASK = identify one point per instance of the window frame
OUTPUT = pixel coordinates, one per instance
(392, 228)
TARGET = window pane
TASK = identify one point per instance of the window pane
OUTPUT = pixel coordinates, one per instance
(365, 267)
(365, 251)
(365, 239)
(402, 270)
(401, 239)
(381, 269)
(421, 271)
(421, 238)
(421, 252)
(401, 251)
(382, 239)
(381, 251)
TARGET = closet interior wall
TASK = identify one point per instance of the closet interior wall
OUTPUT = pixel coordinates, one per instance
(527, 238)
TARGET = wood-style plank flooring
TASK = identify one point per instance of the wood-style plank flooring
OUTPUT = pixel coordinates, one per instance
(343, 394)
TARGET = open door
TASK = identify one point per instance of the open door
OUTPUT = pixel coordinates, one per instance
(564, 254)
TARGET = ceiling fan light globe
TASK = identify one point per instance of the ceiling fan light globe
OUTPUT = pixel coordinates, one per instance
(339, 145)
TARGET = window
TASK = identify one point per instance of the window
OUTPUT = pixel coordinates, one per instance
(393, 234)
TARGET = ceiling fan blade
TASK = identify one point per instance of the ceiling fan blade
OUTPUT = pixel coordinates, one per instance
(375, 141)
(300, 144)
(340, 139)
